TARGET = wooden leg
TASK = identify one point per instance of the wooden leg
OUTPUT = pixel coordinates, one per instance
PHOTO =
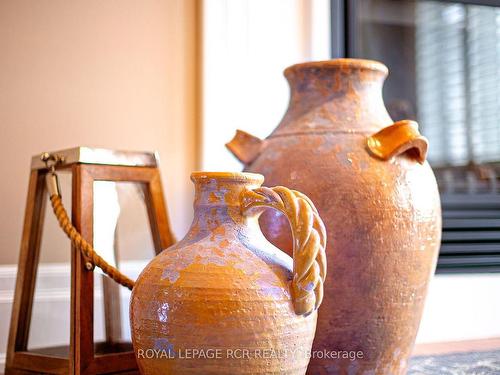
(157, 212)
(27, 269)
(82, 280)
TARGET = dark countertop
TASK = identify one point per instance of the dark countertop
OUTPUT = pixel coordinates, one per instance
(467, 363)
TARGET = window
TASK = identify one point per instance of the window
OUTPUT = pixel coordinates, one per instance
(458, 81)
(444, 62)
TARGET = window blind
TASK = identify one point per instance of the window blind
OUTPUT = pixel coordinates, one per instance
(458, 81)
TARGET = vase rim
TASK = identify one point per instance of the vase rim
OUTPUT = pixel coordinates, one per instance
(245, 177)
(361, 64)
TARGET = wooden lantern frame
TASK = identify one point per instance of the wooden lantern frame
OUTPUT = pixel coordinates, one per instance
(82, 356)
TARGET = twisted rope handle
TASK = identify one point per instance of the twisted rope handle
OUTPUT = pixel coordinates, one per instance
(309, 241)
(93, 259)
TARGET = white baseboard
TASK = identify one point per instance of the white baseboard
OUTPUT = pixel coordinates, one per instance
(461, 307)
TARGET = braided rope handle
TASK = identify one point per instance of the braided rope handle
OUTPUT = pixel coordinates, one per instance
(77, 240)
(309, 241)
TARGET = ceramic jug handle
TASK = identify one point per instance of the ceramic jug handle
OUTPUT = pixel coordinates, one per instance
(309, 240)
(245, 146)
(400, 137)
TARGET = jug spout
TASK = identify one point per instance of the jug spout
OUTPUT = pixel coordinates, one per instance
(245, 147)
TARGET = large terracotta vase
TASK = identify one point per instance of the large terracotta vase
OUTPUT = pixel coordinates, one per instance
(378, 197)
(224, 300)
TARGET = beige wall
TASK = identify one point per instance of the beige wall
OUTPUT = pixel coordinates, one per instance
(112, 74)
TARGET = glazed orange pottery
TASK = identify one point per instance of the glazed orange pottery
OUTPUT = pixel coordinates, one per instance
(378, 197)
(224, 300)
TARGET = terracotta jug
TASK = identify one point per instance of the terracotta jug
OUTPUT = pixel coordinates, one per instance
(224, 300)
(379, 200)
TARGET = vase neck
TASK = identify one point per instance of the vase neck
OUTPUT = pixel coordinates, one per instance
(217, 198)
(335, 95)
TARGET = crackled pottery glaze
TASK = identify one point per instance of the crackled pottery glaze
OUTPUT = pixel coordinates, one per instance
(224, 300)
(379, 200)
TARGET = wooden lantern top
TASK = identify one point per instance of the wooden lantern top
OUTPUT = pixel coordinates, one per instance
(101, 156)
